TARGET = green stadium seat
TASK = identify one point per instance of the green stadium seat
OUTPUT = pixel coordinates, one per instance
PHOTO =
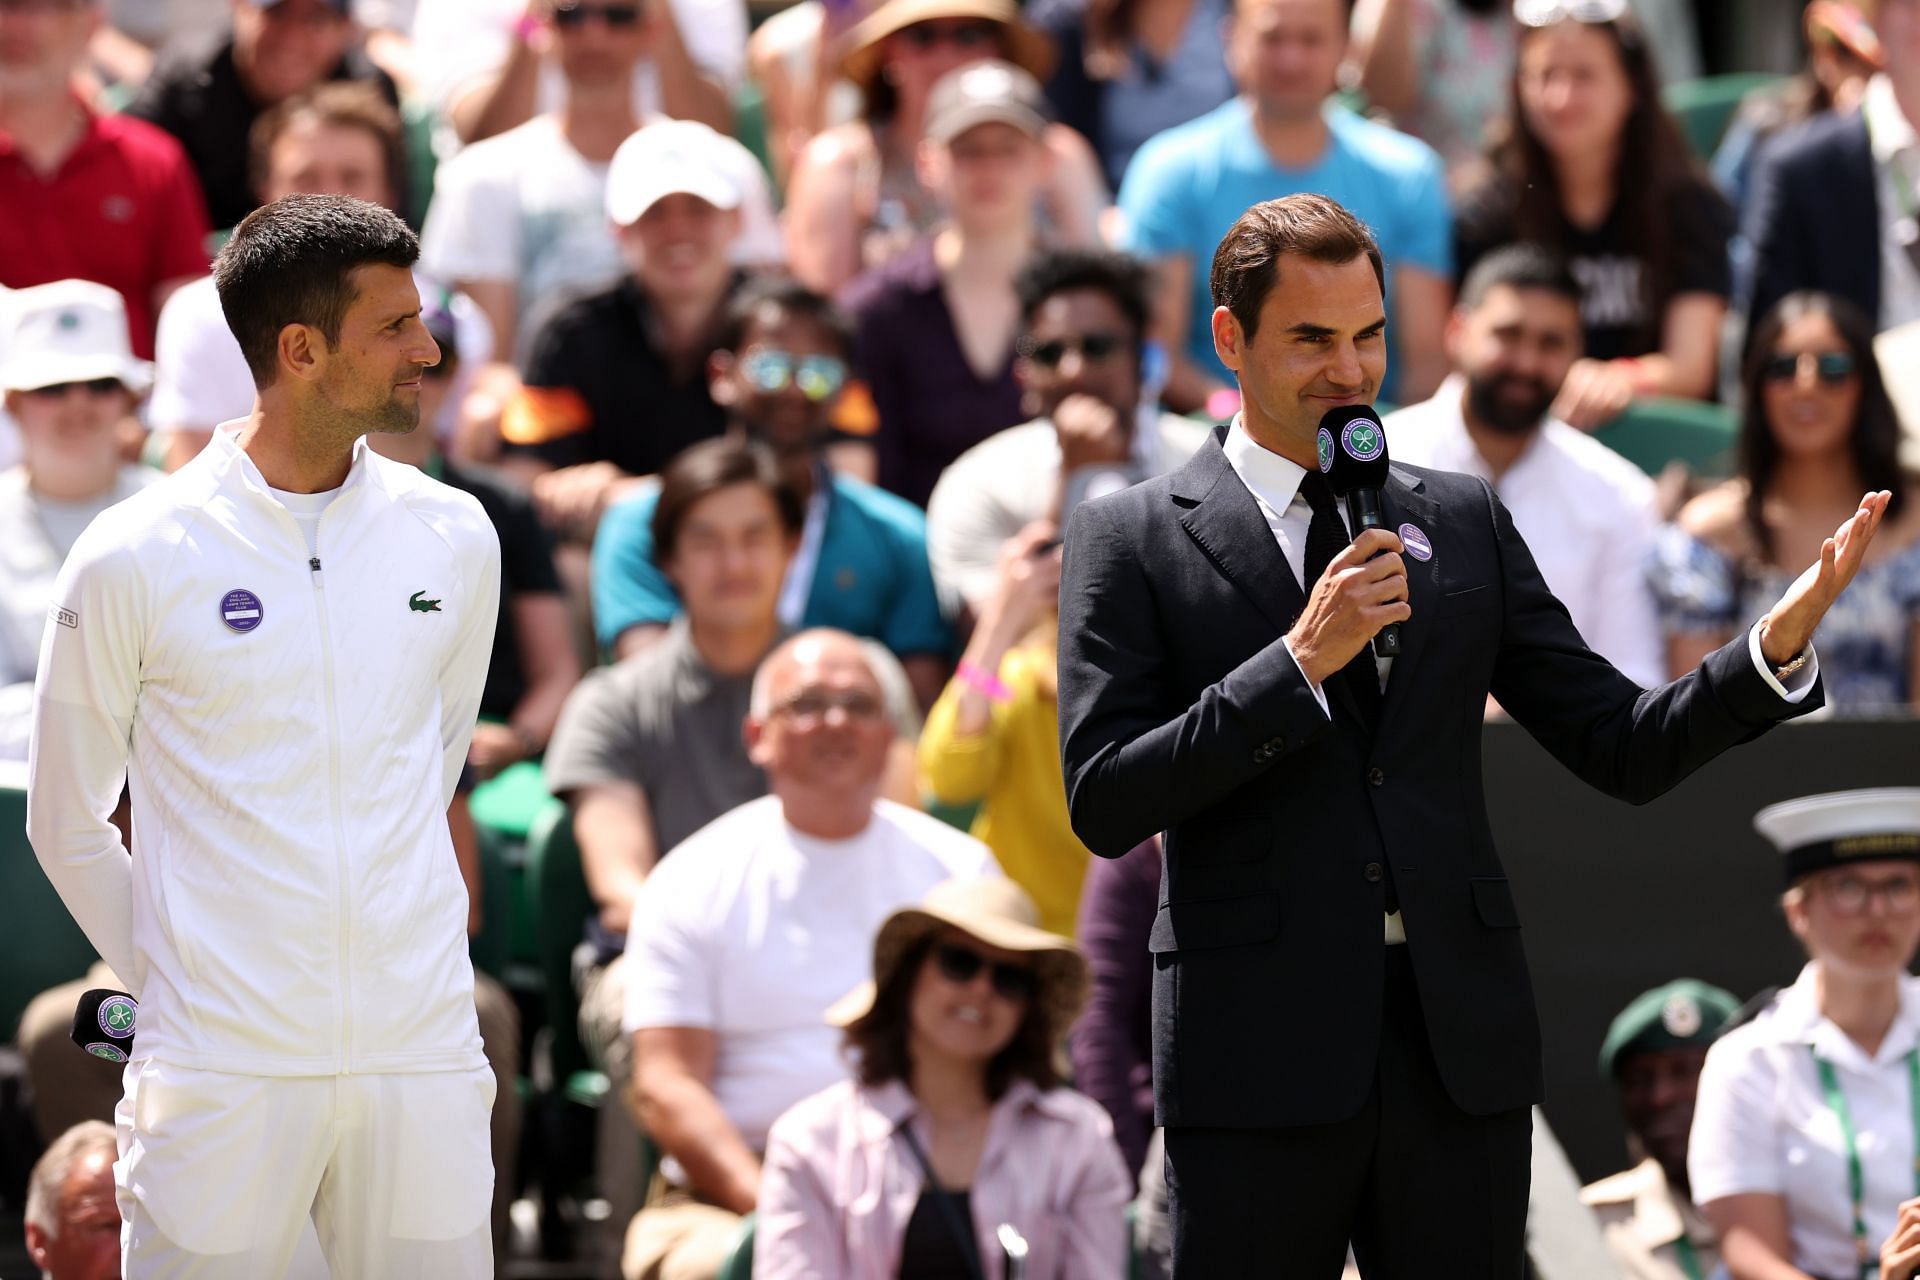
(44, 946)
(1656, 432)
(419, 118)
(739, 1263)
(557, 894)
(1705, 107)
(750, 124)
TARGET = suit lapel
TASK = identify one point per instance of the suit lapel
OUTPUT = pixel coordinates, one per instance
(1222, 516)
(1404, 502)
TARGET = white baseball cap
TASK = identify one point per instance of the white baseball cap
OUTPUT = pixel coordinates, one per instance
(671, 157)
(67, 331)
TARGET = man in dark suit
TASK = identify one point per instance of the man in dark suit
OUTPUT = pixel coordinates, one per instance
(1345, 1044)
(1836, 203)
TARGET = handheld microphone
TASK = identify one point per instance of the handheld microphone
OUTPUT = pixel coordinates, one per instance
(1353, 456)
(103, 1024)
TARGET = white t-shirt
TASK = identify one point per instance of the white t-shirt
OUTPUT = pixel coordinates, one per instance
(1762, 1123)
(200, 379)
(458, 42)
(1585, 511)
(527, 208)
(752, 930)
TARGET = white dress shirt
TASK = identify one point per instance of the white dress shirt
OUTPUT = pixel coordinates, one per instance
(1896, 177)
(1585, 511)
(1762, 1123)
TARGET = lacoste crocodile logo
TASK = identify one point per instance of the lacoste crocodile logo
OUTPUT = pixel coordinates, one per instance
(415, 603)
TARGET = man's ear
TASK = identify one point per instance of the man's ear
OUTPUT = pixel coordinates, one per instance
(1229, 343)
(1454, 335)
(753, 732)
(302, 352)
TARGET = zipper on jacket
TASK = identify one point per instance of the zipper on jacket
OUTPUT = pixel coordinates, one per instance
(333, 801)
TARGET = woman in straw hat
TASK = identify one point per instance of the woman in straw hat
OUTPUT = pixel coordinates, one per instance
(955, 1124)
(855, 198)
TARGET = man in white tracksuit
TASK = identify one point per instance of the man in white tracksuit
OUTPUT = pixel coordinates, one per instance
(280, 649)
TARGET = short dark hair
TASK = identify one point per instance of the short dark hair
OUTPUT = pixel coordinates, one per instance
(1246, 266)
(786, 294)
(876, 1042)
(342, 104)
(292, 262)
(1519, 266)
(1120, 276)
(703, 469)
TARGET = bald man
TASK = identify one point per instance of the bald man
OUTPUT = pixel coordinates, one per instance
(740, 941)
(73, 1226)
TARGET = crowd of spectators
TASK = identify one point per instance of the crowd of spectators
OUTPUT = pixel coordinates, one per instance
(780, 355)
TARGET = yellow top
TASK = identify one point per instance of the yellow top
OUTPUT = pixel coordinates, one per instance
(1012, 771)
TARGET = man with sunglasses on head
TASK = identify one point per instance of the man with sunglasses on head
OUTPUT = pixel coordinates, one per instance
(861, 563)
(739, 943)
(1082, 371)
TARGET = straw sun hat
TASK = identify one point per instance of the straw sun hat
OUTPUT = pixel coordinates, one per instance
(995, 911)
(1027, 47)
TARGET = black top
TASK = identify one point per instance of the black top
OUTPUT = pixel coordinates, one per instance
(1615, 311)
(1814, 216)
(930, 1252)
(526, 568)
(598, 389)
(196, 96)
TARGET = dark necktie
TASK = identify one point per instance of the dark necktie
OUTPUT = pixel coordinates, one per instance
(1327, 538)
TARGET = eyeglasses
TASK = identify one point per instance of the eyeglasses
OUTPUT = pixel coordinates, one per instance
(960, 965)
(93, 386)
(961, 35)
(769, 369)
(569, 16)
(1849, 894)
(1094, 348)
(1831, 367)
(812, 707)
(1544, 13)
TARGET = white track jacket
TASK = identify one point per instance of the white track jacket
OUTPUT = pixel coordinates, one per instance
(291, 728)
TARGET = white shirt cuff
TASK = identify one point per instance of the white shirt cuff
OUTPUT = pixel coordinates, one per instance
(1794, 691)
(1319, 694)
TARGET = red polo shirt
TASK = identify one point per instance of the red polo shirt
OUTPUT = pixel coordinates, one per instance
(123, 210)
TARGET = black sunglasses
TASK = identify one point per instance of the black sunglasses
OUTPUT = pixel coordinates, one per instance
(964, 35)
(1831, 367)
(960, 964)
(614, 15)
(1094, 348)
(92, 386)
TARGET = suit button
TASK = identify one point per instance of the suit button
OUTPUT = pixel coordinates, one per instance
(1261, 754)
(1373, 871)
(1376, 777)
(1276, 745)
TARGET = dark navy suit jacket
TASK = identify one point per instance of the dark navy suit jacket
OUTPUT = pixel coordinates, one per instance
(1181, 711)
(1815, 218)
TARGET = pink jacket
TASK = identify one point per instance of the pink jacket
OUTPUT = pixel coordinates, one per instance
(839, 1186)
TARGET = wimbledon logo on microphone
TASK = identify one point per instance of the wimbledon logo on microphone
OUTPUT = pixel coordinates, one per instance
(1324, 443)
(1363, 439)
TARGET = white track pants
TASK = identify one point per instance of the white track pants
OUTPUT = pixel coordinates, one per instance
(218, 1174)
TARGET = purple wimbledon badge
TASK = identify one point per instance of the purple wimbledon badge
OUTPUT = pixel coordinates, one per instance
(240, 610)
(1415, 542)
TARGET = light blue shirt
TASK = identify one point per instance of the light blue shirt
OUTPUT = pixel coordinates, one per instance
(1186, 187)
(868, 574)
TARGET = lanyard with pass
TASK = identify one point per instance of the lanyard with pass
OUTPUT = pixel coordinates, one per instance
(1856, 1176)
